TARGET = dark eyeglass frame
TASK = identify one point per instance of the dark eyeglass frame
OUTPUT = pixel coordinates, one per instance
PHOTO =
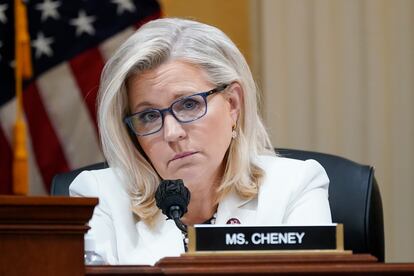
(128, 119)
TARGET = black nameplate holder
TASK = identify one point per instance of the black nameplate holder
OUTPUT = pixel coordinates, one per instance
(208, 239)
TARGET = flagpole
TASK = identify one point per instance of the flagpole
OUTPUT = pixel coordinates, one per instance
(23, 69)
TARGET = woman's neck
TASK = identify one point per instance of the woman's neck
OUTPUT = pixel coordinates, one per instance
(201, 208)
(203, 202)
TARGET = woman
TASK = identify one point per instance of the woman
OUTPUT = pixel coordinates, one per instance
(178, 101)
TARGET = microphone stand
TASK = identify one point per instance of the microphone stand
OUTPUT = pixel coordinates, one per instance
(175, 214)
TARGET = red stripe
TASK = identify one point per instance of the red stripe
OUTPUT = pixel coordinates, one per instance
(46, 146)
(5, 165)
(87, 69)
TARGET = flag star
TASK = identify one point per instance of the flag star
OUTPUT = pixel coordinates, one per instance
(49, 9)
(3, 8)
(124, 5)
(42, 45)
(83, 23)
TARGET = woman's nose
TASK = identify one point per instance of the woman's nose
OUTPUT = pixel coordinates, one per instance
(173, 130)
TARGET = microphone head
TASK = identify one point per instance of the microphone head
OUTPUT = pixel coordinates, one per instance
(172, 193)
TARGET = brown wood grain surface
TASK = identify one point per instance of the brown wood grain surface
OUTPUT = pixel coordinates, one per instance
(280, 264)
(43, 235)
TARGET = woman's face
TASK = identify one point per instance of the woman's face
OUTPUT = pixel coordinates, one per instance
(191, 151)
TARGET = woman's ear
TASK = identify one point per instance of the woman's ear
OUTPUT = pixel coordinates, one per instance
(235, 98)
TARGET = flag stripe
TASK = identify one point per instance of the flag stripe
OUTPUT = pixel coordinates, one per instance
(5, 164)
(36, 184)
(8, 118)
(92, 62)
(74, 127)
(46, 147)
(109, 46)
(7, 121)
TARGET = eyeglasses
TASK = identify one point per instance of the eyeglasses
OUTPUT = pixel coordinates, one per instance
(184, 110)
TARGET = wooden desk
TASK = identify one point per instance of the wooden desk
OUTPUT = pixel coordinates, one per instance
(281, 264)
(44, 236)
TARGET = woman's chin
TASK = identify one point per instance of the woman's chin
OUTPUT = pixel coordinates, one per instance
(189, 173)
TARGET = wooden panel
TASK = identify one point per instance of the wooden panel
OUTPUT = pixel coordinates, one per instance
(43, 235)
(296, 264)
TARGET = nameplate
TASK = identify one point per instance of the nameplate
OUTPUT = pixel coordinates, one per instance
(228, 238)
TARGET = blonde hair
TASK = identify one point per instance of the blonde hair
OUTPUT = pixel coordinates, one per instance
(209, 48)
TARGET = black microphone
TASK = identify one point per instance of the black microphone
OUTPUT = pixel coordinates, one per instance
(172, 197)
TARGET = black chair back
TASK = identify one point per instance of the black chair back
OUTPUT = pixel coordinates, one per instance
(61, 182)
(354, 198)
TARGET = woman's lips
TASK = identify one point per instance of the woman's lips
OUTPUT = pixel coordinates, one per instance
(182, 155)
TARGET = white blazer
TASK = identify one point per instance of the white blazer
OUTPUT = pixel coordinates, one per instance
(293, 192)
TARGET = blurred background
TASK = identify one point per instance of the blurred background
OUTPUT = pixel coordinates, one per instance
(336, 76)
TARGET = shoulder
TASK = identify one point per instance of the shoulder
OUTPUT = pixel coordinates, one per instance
(293, 192)
(96, 183)
(291, 174)
(282, 165)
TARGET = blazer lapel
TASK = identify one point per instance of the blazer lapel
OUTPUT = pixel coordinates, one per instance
(163, 239)
(234, 207)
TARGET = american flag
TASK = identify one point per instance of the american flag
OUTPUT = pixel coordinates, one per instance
(70, 42)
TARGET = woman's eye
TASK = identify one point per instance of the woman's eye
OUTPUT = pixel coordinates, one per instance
(189, 104)
(149, 117)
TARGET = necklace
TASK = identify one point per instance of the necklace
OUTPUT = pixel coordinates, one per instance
(211, 220)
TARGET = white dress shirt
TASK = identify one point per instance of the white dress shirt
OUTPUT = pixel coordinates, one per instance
(293, 192)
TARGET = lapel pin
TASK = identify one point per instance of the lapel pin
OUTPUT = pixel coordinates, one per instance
(233, 221)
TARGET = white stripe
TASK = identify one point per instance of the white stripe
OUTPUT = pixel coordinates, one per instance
(108, 47)
(69, 116)
(7, 119)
